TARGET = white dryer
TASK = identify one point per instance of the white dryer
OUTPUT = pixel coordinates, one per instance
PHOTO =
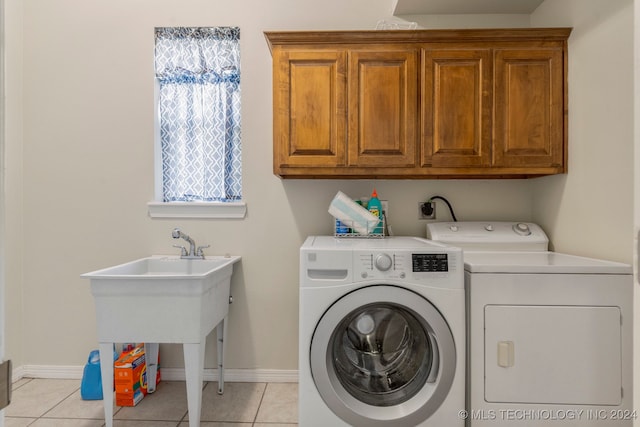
(549, 334)
(382, 333)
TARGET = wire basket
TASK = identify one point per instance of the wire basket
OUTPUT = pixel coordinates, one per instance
(376, 229)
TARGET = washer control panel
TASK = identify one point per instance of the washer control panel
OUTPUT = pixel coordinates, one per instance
(402, 265)
(402, 260)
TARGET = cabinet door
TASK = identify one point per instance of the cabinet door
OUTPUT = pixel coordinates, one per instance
(383, 107)
(309, 109)
(529, 111)
(456, 108)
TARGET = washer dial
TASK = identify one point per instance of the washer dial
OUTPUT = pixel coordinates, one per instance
(383, 262)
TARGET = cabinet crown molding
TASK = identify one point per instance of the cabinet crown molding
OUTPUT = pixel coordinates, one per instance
(275, 38)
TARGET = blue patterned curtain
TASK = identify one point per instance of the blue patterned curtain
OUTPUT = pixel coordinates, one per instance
(198, 70)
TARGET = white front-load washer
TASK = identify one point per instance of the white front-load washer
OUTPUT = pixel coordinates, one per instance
(549, 334)
(382, 333)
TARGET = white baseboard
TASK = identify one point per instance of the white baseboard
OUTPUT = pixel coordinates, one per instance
(168, 374)
(237, 375)
(44, 371)
(17, 374)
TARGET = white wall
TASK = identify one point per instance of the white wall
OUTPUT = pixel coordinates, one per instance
(84, 133)
(12, 163)
(636, 207)
(470, 21)
(589, 211)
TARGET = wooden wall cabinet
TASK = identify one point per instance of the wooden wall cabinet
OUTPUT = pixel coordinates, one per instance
(382, 107)
(419, 104)
(456, 108)
(529, 109)
(309, 110)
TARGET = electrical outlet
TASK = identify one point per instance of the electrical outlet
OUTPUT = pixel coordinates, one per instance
(426, 210)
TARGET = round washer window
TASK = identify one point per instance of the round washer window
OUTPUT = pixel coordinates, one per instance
(382, 354)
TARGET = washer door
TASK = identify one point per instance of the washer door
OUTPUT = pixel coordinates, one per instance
(383, 354)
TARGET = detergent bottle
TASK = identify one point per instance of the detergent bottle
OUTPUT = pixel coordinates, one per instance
(375, 207)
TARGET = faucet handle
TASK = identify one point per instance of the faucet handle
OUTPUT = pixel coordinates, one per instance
(199, 251)
(183, 250)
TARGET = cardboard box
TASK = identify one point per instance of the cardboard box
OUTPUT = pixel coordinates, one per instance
(130, 377)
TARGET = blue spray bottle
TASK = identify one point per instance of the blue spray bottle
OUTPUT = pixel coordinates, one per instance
(375, 207)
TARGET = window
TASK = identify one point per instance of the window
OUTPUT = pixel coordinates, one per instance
(197, 73)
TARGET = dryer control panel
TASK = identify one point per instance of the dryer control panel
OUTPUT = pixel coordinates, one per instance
(489, 235)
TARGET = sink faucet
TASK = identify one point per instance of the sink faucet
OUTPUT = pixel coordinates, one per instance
(193, 253)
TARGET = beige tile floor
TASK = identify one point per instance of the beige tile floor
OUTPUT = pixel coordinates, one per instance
(57, 403)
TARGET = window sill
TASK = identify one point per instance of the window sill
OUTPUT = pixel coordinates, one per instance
(234, 210)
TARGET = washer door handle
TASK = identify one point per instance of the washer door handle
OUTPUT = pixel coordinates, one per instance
(435, 362)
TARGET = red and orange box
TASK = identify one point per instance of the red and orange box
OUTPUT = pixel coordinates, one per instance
(130, 376)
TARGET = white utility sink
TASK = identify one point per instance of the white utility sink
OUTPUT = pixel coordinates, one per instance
(170, 267)
(163, 299)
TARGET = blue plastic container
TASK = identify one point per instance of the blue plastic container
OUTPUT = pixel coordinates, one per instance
(91, 386)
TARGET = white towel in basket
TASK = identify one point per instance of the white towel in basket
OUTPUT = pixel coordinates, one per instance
(352, 214)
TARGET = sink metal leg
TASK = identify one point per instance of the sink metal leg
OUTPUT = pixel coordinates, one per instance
(221, 331)
(151, 356)
(106, 371)
(194, 370)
